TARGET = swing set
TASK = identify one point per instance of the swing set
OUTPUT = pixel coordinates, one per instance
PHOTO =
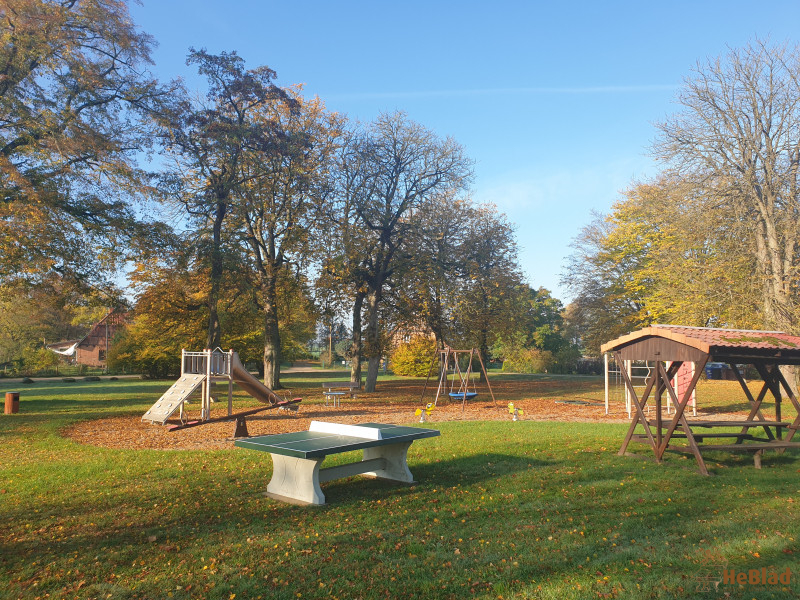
(454, 381)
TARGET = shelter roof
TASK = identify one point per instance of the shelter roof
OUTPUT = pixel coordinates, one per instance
(718, 343)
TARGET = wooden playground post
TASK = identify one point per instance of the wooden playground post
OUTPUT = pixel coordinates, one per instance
(206, 414)
(485, 374)
(228, 368)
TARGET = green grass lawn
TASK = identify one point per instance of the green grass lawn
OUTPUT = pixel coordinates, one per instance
(501, 510)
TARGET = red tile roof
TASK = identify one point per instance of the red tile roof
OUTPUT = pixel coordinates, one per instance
(709, 338)
(737, 338)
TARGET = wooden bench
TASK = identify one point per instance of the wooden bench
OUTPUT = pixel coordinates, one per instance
(296, 457)
(334, 390)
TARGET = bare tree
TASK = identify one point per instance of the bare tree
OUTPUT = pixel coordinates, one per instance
(398, 165)
(436, 256)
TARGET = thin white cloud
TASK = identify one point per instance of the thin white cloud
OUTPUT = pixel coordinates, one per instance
(421, 94)
(550, 206)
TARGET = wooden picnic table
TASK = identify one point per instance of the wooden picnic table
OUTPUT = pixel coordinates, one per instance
(334, 390)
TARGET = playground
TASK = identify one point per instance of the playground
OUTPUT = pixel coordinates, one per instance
(395, 402)
(538, 508)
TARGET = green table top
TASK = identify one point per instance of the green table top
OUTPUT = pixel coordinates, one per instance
(311, 444)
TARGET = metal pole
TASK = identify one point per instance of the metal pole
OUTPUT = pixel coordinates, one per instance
(628, 366)
(207, 399)
(230, 382)
(605, 372)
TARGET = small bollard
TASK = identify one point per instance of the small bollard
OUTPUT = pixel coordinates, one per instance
(12, 403)
(241, 428)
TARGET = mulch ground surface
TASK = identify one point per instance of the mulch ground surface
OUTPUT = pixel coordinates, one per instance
(394, 402)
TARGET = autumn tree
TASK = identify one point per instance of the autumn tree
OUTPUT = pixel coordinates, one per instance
(74, 88)
(401, 165)
(738, 132)
(211, 139)
(170, 312)
(488, 297)
(663, 254)
(275, 206)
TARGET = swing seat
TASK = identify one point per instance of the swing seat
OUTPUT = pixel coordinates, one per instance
(463, 395)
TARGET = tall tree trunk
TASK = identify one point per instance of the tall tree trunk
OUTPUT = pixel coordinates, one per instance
(373, 345)
(272, 336)
(778, 305)
(483, 349)
(356, 348)
(213, 339)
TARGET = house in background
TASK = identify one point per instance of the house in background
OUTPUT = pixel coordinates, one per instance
(92, 349)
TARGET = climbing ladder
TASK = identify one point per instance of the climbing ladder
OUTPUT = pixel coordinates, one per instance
(174, 398)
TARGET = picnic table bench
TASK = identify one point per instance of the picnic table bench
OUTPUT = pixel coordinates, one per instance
(296, 457)
(334, 390)
(771, 442)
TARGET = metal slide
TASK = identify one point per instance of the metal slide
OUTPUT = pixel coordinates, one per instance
(250, 384)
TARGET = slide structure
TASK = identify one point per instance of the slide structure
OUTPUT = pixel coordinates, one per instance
(198, 371)
(250, 384)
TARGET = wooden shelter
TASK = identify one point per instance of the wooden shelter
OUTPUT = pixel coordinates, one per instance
(767, 351)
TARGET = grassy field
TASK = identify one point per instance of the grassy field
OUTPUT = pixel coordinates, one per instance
(501, 510)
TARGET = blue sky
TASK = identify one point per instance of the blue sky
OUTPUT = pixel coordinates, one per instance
(555, 102)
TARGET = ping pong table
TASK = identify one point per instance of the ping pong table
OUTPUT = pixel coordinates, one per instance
(296, 457)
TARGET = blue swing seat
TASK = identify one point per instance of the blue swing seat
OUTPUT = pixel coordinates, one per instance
(463, 395)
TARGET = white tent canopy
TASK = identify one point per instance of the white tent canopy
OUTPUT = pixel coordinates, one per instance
(69, 351)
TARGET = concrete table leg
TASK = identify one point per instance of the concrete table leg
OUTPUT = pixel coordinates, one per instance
(295, 479)
(396, 467)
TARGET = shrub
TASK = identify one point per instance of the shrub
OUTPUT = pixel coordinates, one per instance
(326, 360)
(567, 361)
(589, 366)
(528, 360)
(128, 354)
(414, 358)
(39, 359)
